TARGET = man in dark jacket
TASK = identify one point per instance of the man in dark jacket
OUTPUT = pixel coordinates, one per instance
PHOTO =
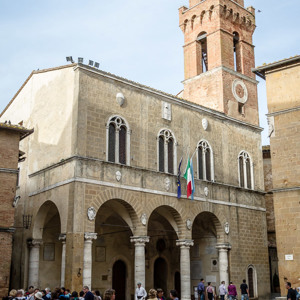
(88, 295)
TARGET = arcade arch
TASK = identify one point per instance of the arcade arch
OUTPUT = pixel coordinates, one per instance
(209, 255)
(46, 267)
(164, 229)
(115, 224)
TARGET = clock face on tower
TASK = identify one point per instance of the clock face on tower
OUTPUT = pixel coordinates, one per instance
(239, 91)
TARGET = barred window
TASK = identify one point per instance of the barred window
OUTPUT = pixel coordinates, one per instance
(166, 151)
(205, 161)
(118, 144)
(245, 170)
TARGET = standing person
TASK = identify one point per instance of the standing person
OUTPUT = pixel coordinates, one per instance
(291, 295)
(12, 294)
(20, 295)
(29, 292)
(160, 294)
(74, 296)
(152, 294)
(222, 290)
(88, 295)
(81, 295)
(232, 291)
(174, 295)
(38, 296)
(140, 292)
(244, 290)
(97, 293)
(48, 293)
(210, 291)
(201, 289)
(109, 294)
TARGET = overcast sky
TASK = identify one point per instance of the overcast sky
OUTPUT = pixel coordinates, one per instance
(136, 39)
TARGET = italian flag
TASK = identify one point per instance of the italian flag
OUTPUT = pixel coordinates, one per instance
(189, 176)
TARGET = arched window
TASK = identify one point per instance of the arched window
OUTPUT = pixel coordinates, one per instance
(245, 170)
(118, 141)
(237, 52)
(205, 161)
(202, 56)
(166, 151)
(252, 281)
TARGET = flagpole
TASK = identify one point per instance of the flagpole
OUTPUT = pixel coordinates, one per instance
(194, 152)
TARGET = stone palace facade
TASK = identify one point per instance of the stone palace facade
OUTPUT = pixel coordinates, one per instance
(100, 178)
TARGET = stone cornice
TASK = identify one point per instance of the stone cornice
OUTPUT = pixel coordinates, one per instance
(77, 157)
(289, 189)
(284, 111)
(246, 10)
(6, 170)
(145, 190)
(7, 229)
(237, 74)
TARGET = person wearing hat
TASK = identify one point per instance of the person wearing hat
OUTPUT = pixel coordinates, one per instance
(38, 295)
(140, 292)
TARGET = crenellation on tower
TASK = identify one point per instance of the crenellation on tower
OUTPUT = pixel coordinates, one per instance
(219, 56)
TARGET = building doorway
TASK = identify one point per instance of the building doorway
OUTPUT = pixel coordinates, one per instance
(119, 279)
(160, 274)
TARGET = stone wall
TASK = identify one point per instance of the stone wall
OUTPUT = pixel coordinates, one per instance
(282, 79)
(9, 154)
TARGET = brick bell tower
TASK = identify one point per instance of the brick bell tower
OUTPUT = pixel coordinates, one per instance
(218, 57)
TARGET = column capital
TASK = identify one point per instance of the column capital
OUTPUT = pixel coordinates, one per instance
(139, 240)
(89, 236)
(224, 246)
(35, 243)
(62, 237)
(185, 243)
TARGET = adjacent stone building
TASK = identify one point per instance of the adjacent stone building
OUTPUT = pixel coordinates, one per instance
(283, 79)
(10, 136)
(101, 177)
(273, 259)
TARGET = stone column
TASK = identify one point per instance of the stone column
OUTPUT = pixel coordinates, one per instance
(139, 258)
(34, 261)
(185, 268)
(223, 262)
(87, 258)
(62, 238)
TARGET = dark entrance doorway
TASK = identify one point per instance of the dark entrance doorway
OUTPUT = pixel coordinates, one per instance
(160, 274)
(177, 284)
(250, 281)
(119, 279)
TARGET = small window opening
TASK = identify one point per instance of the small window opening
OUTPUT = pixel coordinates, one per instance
(241, 108)
(202, 39)
(236, 52)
